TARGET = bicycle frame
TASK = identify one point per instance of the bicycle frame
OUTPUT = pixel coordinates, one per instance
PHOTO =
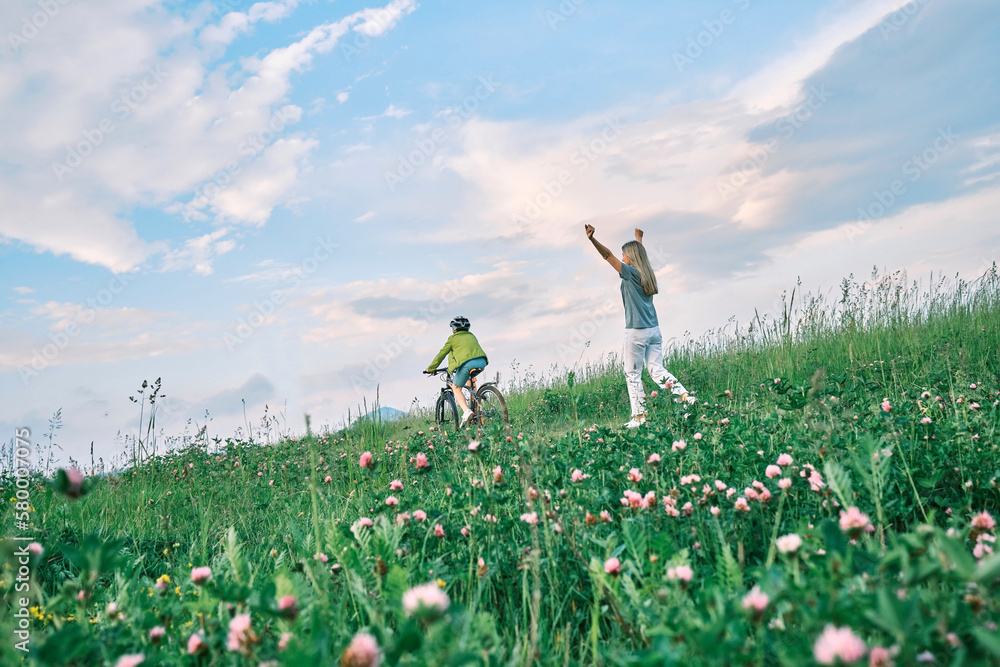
(473, 400)
(448, 382)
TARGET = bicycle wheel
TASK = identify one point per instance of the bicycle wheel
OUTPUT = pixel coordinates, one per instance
(445, 411)
(492, 407)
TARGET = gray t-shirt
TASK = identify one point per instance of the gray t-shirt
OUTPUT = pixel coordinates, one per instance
(639, 311)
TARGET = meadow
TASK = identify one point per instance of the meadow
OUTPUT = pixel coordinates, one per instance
(831, 499)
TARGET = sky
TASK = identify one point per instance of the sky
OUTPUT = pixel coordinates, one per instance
(280, 205)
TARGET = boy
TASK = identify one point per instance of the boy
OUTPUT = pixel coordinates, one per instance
(465, 357)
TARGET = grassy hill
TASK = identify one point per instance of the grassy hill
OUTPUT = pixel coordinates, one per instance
(866, 428)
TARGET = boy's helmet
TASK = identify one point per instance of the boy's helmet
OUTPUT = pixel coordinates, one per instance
(460, 323)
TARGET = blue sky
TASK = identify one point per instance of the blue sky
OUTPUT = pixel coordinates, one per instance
(284, 203)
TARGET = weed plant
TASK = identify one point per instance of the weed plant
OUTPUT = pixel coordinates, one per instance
(830, 500)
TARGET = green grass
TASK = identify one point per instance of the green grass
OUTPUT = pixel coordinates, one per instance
(810, 384)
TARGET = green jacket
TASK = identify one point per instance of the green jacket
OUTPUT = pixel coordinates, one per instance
(460, 347)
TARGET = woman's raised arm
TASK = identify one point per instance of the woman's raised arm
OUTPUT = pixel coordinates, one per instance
(605, 253)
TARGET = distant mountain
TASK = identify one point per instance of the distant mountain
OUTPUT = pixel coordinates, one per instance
(386, 414)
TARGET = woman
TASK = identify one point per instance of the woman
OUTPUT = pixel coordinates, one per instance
(643, 342)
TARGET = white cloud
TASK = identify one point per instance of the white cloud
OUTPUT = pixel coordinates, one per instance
(987, 165)
(65, 223)
(669, 163)
(89, 335)
(365, 217)
(270, 272)
(23, 290)
(378, 21)
(341, 322)
(342, 96)
(392, 111)
(778, 83)
(317, 105)
(187, 126)
(233, 24)
(959, 232)
(252, 197)
(764, 200)
(612, 177)
(198, 253)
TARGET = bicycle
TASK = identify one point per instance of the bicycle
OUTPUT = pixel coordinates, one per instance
(487, 403)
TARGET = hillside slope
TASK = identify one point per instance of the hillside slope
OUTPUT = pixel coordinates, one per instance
(833, 496)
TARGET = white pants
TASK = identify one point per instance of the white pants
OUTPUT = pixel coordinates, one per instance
(645, 347)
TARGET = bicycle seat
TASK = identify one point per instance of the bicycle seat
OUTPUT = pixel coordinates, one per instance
(473, 372)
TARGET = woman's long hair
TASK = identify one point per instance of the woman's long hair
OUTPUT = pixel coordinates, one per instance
(637, 255)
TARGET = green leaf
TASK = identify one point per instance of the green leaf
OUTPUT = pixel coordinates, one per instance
(834, 537)
(410, 639)
(925, 570)
(965, 565)
(234, 551)
(395, 583)
(728, 571)
(928, 482)
(63, 645)
(865, 561)
(988, 569)
(635, 539)
(840, 482)
(989, 640)
(465, 658)
(886, 616)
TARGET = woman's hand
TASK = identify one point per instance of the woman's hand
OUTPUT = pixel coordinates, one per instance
(638, 235)
(605, 253)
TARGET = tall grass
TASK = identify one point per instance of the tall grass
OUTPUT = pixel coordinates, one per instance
(809, 384)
